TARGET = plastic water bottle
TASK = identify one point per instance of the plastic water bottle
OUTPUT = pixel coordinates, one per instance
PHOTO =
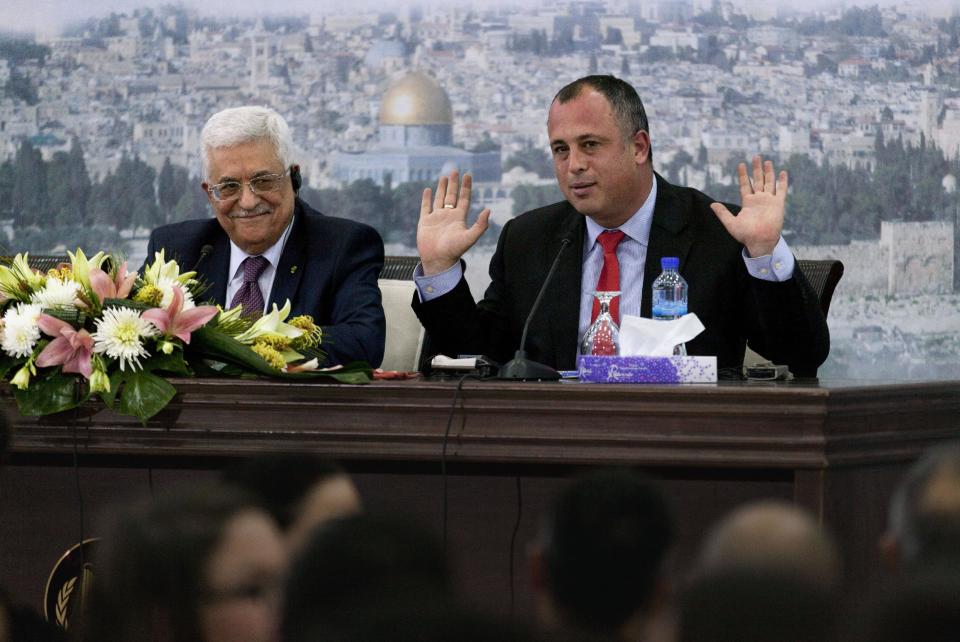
(670, 295)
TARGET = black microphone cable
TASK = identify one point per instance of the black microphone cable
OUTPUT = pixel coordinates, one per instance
(79, 609)
(513, 543)
(443, 456)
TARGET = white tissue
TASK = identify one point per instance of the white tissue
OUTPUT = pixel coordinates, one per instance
(644, 337)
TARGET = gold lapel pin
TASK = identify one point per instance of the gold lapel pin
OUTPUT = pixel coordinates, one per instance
(293, 269)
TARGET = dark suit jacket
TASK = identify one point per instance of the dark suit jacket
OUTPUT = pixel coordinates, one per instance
(329, 270)
(782, 321)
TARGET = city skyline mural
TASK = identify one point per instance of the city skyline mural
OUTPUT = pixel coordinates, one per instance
(100, 120)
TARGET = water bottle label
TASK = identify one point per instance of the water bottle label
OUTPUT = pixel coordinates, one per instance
(671, 309)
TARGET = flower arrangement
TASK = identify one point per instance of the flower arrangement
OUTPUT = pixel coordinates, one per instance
(91, 327)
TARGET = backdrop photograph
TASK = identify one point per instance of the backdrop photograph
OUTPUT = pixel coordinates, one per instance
(101, 109)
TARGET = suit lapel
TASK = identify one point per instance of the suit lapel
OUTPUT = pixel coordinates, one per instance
(564, 311)
(286, 282)
(670, 235)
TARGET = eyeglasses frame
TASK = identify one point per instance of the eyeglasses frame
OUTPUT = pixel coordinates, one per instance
(214, 190)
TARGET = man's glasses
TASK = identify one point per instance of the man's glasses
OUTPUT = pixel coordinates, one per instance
(263, 184)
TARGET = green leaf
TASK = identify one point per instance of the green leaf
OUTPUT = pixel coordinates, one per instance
(125, 303)
(144, 394)
(215, 368)
(346, 376)
(7, 364)
(49, 394)
(172, 363)
(212, 344)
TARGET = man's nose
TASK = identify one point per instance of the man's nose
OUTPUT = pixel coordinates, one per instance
(248, 199)
(576, 161)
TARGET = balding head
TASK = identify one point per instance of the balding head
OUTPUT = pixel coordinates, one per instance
(774, 537)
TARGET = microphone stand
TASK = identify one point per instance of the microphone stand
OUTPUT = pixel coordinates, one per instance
(520, 368)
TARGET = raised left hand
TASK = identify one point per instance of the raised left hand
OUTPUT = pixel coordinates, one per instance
(758, 225)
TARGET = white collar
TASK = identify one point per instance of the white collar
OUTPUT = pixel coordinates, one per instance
(636, 227)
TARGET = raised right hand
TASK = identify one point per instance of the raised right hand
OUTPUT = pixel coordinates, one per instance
(442, 232)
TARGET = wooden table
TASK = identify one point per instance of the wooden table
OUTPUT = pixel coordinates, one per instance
(836, 448)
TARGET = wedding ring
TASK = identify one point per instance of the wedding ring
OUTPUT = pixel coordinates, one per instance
(448, 206)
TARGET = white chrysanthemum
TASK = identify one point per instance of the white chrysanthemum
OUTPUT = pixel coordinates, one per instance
(120, 333)
(20, 329)
(166, 286)
(57, 294)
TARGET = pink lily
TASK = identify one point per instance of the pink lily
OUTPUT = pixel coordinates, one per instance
(106, 288)
(177, 322)
(70, 348)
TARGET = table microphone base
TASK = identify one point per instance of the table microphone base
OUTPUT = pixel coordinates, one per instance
(522, 369)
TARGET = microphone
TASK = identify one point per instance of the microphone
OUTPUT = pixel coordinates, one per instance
(520, 368)
(204, 253)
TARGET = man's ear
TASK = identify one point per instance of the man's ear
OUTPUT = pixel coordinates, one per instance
(641, 147)
(295, 180)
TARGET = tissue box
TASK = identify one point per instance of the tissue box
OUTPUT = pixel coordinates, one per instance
(647, 369)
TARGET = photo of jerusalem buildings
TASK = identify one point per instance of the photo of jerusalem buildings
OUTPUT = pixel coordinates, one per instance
(100, 121)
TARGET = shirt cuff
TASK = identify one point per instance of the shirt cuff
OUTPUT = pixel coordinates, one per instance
(777, 266)
(431, 287)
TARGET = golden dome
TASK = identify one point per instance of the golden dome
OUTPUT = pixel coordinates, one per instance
(416, 99)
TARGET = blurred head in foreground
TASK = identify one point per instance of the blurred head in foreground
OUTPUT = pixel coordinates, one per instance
(301, 491)
(598, 565)
(356, 571)
(924, 605)
(772, 536)
(201, 563)
(924, 518)
(755, 605)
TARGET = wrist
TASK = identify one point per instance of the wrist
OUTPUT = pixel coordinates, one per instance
(436, 266)
(756, 250)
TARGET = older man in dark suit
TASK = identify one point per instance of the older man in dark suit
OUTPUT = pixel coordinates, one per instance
(619, 217)
(266, 246)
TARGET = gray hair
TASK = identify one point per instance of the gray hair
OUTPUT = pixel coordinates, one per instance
(239, 125)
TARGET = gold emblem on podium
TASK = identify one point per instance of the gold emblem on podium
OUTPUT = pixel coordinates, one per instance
(69, 583)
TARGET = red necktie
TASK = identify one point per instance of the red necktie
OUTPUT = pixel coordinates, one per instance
(609, 280)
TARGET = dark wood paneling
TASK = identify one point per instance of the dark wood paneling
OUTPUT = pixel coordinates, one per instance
(836, 448)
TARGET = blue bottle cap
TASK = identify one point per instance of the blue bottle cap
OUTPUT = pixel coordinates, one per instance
(669, 263)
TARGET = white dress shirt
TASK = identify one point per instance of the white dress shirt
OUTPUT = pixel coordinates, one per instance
(273, 254)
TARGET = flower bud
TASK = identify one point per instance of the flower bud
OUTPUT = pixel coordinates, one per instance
(22, 378)
(99, 382)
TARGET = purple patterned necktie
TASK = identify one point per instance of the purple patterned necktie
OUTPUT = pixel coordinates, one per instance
(249, 294)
